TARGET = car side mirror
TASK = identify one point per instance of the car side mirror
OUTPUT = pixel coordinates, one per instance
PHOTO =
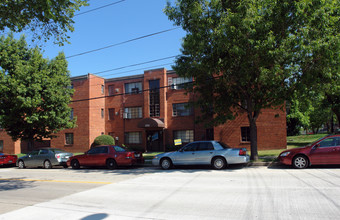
(316, 146)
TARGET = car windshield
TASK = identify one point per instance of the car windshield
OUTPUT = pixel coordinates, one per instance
(224, 145)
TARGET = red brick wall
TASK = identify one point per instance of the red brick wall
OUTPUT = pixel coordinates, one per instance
(271, 130)
(10, 147)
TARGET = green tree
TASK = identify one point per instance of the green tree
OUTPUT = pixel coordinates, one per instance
(35, 92)
(44, 17)
(245, 55)
(320, 54)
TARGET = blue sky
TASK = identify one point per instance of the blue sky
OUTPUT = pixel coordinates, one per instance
(114, 24)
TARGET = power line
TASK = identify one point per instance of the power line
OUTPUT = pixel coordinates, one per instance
(145, 68)
(138, 64)
(124, 42)
(104, 6)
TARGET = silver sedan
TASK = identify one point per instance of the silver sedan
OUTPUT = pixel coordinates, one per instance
(214, 153)
(44, 158)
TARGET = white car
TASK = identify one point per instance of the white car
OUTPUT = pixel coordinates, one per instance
(214, 153)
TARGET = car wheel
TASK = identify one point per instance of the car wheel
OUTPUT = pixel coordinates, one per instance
(47, 164)
(300, 162)
(21, 164)
(219, 163)
(111, 164)
(75, 164)
(166, 163)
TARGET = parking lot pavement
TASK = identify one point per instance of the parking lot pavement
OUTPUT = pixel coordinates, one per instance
(236, 193)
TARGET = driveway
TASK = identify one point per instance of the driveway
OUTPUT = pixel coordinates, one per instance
(235, 193)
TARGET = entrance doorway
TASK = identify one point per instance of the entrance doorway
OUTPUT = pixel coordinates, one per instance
(154, 141)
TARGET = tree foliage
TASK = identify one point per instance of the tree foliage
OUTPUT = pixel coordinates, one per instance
(45, 18)
(248, 55)
(103, 140)
(35, 92)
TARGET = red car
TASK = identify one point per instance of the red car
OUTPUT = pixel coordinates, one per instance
(8, 159)
(324, 151)
(109, 156)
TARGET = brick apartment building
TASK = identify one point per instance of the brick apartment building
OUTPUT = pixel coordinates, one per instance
(148, 111)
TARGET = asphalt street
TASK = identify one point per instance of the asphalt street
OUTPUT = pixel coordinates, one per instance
(185, 193)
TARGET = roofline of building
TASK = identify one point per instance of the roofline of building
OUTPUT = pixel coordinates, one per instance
(138, 76)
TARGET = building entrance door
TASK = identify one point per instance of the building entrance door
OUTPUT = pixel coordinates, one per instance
(154, 141)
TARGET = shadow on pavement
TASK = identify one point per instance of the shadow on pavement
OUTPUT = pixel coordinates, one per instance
(15, 184)
(98, 216)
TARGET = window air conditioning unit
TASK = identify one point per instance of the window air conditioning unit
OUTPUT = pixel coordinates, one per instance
(117, 90)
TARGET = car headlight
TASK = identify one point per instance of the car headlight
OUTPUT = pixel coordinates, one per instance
(155, 157)
(284, 154)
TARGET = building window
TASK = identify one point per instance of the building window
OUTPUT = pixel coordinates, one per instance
(111, 89)
(154, 98)
(133, 88)
(133, 137)
(71, 114)
(102, 113)
(111, 113)
(245, 134)
(180, 82)
(133, 112)
(69, 138)
(181, 109)
(103, 89)
(1, 145)
(186, 136)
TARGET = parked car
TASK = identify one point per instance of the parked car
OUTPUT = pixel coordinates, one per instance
(46, 158)
(324, 151)
(214, 153)
(109, 156)
(7, 160)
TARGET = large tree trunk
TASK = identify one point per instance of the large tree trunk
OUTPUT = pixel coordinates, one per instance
(253, 141)
(252, 117)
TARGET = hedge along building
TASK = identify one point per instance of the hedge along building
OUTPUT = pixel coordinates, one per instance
(148, 112)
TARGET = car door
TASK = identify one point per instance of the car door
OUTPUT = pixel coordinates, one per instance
(94, 156)
(41, 157)
(204, 153)
(337, 151)
(31, 157)
(325, 152)
(119, 154)
(186, 155)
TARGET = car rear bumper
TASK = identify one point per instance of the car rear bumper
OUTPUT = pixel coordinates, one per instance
(238, 160)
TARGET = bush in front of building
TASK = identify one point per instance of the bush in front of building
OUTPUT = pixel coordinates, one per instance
(103, 140)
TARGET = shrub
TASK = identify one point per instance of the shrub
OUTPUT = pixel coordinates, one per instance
(103, 140)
